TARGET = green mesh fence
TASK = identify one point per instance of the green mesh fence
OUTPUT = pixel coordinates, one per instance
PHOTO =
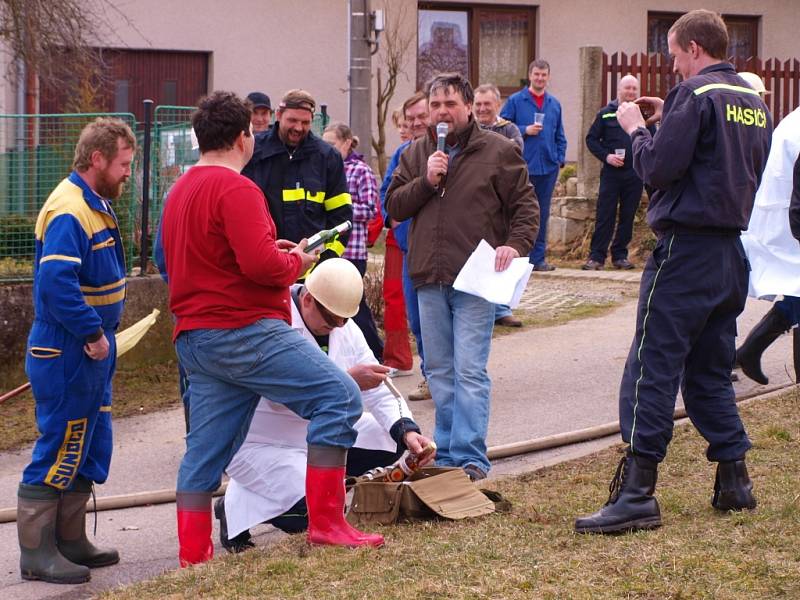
(36, 153)
(173, 153)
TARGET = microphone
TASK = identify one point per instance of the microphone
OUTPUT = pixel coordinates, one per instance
(441, 134)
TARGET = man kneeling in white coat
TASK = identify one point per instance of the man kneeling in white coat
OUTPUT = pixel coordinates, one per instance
(267, 474)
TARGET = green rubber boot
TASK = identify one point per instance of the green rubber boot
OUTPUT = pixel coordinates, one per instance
(71, 532)
(37, 511)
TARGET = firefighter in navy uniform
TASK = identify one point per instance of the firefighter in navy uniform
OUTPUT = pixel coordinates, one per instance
(78, 294)
(301, 175)
(619, 183)
(705, 164)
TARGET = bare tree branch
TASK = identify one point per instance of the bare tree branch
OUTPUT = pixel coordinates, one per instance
(393, 56)
(40, 34)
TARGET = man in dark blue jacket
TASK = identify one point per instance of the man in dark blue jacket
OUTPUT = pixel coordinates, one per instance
(619, 183)
(537, 113)
(301, 175)
(705, 164)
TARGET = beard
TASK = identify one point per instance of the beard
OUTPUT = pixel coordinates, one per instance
(109, 188)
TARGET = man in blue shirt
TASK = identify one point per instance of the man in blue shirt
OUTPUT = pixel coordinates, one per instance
(538, 116)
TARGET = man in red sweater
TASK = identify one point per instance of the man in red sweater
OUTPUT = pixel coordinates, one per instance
(229, 291)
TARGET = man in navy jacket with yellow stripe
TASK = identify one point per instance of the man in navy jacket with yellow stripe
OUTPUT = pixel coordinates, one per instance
(301, 176)
(79, 292)
(620, 186)
(705, 163)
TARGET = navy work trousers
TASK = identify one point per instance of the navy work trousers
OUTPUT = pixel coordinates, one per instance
(693, 287)
(623, 190)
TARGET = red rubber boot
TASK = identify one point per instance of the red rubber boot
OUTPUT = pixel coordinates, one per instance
(194, 528)
(325, 500)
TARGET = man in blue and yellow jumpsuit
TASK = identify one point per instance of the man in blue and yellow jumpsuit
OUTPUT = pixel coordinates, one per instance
(705, 164)
(79, 292)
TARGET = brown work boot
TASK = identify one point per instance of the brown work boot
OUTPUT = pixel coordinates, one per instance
(508, 321)
(422, 392)
(623, 263)
(592, 265)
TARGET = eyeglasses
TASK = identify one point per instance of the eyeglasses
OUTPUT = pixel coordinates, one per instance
(330, 319)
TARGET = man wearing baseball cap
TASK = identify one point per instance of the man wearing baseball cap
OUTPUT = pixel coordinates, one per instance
(301, 175)
(261, 116)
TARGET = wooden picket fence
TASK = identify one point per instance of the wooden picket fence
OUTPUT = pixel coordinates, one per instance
(781, 78)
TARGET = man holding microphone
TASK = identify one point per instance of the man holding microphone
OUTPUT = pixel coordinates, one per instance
(473, 186)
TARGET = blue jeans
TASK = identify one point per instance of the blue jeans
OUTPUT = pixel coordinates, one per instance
(543, 186)
(412, 313)
(457, 330)
(502, 310)
(229, 369)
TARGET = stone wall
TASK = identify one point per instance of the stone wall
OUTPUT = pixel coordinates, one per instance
(571, 213)
(144, 294)
(569, 218)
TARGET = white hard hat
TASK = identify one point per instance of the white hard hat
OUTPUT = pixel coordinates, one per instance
(337, 285)
(754, 81)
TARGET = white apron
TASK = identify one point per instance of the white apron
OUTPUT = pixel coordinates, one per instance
(773, 253)
(268, 473)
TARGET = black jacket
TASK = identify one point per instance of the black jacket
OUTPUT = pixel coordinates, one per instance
(306, 190)
(605, 135)
(706, 160)
(794, 203)
(486, 194)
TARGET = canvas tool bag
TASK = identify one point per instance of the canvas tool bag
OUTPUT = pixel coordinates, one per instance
(430, 493)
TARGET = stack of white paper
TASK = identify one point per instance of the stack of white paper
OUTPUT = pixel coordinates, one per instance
(478, 277)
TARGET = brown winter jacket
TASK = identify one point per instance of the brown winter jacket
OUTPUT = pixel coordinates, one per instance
(486, 194)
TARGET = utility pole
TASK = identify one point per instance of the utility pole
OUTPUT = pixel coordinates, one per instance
(361, 73)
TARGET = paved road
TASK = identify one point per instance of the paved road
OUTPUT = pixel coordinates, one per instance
(546, 380)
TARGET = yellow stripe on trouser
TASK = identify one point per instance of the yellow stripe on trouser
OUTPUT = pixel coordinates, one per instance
(65, 467)
(644, 335)
(318, 197)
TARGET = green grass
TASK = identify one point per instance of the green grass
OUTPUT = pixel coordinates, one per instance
(551, 318)
(533, 553)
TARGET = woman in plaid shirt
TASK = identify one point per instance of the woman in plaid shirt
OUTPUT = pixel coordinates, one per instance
(363, 188)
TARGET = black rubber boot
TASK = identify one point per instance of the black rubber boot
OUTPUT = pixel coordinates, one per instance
(238, 544)
(37, 512)
(71, 531)
(631, 504)
(733, 489)
(767, 330)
